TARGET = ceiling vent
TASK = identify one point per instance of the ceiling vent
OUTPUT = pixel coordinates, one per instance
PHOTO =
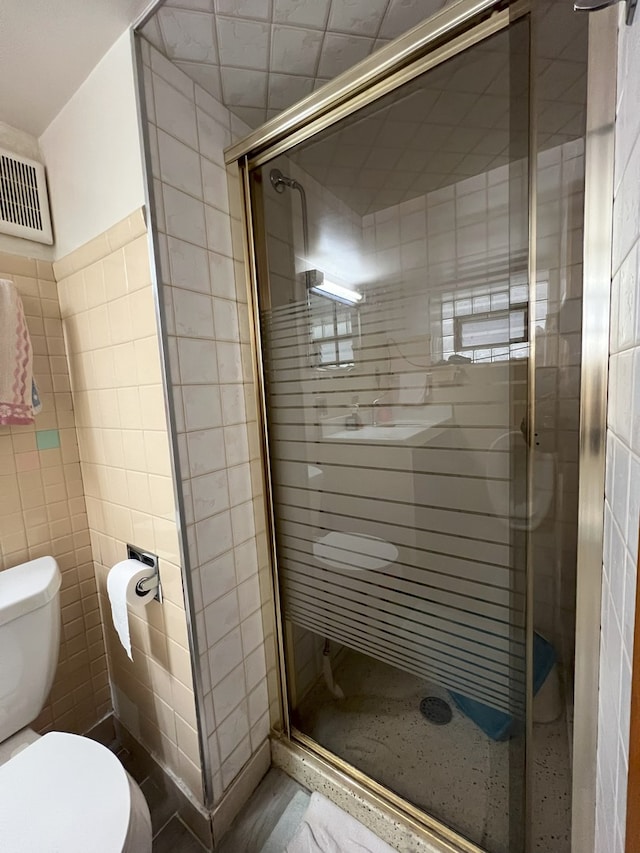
(24, 206)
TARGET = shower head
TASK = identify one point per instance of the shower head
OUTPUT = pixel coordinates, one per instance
(280, 182)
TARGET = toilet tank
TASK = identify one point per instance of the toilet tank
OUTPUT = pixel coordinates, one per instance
(29, 640)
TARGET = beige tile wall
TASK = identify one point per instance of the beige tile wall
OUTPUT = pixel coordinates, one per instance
(42, 508)
(109, 321)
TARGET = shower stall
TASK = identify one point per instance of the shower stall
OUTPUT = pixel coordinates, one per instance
(415, 244)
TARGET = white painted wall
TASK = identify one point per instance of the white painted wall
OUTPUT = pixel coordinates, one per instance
(92, 151)
(20, 142)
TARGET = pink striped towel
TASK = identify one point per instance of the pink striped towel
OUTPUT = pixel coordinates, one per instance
(16, 371)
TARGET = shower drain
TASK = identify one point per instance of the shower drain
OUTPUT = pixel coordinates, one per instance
(436, 710)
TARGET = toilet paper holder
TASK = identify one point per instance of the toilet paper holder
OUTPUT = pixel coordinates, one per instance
(153, 580)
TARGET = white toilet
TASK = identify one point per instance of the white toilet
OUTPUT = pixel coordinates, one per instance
(58, 792)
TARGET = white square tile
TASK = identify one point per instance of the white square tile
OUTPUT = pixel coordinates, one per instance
(198, 362)
(217, 578)
(175, 113)
(153, 36)
(221, 616)
(414, 226)
(218, 231)
(243, 44)
(236, 444)
(188, 34)
(257, 9)
(225, 320)
(255, 667)
(202, 409)
(242, 521)
(206, 452)
(213, 536)
(210, 494)
(214, 184)
(236, 761)
(229, 362)
(287, 89)
(414, 255)
(258, 702)
(304, 13)
(214, 137)
(260, 732)
(252, 632)
(250, 117)
(233, 731)
(207, 76)
(294, 51)
(193, 313)
(246, 558)
(233, 405)
(222, 273)
(166, 69)
(228, 694)
(212, 105)
(243, 87)
(341, 52)
(239, 128)
(239, 484)
(249, 597)
(184, 216)
(225, 656)
(361, 17)
(179, 165)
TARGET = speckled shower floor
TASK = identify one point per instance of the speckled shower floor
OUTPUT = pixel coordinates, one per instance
(453, 772)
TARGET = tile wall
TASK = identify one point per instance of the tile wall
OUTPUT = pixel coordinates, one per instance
(622, 506)
(197, 217)
(264, 57)
(109, 320)
(42, 507)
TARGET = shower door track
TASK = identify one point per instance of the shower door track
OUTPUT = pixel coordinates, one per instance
(443, 36)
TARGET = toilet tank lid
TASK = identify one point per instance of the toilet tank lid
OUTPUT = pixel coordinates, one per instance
(65, 793)
(27, 587)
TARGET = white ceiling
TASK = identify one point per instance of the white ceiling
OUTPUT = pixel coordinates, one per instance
(260, 56)
(48, 48)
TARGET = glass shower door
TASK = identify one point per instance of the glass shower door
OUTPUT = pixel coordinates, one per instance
(394, 304)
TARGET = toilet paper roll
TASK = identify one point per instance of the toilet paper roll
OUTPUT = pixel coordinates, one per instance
(121, 589)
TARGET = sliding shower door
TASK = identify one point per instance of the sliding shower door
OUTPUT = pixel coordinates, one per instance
(394, 299)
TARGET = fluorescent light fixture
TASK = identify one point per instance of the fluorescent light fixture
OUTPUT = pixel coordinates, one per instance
(322, 286)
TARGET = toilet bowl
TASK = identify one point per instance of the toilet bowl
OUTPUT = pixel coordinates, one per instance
(58, 792)
(66, 792)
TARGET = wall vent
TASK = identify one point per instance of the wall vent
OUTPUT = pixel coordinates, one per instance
(24, 205)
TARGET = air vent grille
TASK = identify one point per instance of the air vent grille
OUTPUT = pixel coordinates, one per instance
(24, 207)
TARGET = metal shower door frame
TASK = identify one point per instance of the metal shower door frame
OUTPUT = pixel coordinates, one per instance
(443, 36)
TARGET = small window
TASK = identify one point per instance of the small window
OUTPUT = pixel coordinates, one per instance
(490, 323)
(332, 333)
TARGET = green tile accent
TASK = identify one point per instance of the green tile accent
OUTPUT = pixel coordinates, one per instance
(47, 439)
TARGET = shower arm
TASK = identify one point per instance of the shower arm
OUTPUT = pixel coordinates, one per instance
(280, 182)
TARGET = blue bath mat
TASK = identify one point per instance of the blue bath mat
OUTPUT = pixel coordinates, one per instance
(498, 725)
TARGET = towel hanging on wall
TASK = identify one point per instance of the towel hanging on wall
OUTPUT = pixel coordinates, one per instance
(19, 400)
